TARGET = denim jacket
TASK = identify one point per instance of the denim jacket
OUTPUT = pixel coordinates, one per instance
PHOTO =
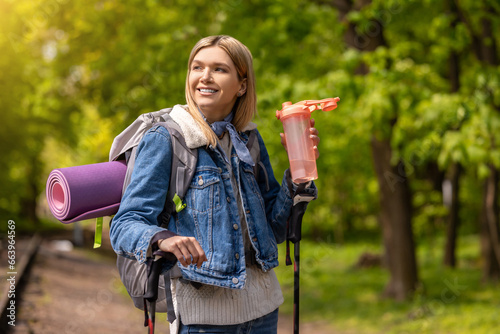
(211, 213)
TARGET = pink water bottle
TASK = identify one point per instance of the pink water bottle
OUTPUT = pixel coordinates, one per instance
(296, 123)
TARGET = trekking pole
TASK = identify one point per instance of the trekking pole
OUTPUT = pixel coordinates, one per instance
(296, 120)
(296, 287)
(151, 294)
(294, 234)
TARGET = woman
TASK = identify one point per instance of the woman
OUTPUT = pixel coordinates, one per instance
(225, 241)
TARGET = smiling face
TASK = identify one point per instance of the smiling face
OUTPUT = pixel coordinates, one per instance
(214, 83)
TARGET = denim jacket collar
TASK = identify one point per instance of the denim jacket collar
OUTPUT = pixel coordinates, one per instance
(192, 132)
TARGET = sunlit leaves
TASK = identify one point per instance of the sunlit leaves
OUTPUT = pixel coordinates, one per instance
(75, 73)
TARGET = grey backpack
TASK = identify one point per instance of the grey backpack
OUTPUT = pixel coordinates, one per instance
(134, 275)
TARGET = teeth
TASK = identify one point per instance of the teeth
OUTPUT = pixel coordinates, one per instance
(208, 90)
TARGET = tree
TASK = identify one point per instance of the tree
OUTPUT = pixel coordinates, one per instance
(23, 124)
(478, 21)
(485, 49)
(456, 169)
(366, 34)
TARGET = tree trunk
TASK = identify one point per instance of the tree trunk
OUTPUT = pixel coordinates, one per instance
(454, 60)
(455, 172)
(453, 217)
(30, 202)
(395, 195)
(490, 246)
(456, 169)
(434, 175)
(395, 219)
(485, 48)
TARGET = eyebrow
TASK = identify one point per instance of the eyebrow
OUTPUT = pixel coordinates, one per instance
(216, 63)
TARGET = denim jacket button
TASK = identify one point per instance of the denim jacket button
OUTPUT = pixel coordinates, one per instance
(228, 199)
(235, 226)
(237, 256)
(200, 181)
(235, 280)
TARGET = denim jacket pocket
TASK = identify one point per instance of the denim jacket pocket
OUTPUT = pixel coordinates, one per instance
(204, 191)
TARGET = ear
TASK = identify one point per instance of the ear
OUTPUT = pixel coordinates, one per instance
(243, 87)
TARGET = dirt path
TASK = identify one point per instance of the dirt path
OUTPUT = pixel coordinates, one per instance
(78, 292)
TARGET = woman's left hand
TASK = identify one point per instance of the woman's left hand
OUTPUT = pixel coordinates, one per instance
(313, 134)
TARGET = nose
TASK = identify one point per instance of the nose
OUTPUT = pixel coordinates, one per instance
(206, 76)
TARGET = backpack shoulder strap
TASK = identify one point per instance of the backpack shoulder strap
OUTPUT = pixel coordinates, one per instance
(183, 167)
(254, 148)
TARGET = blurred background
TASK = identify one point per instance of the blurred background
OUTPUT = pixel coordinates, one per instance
(404, 237)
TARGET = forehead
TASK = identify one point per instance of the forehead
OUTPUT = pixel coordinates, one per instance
(213, 54)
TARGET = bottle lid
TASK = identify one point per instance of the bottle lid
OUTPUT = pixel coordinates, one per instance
(305, 107)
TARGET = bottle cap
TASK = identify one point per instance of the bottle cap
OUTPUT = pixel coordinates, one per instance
(305, 107)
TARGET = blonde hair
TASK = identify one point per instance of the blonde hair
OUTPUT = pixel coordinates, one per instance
(246, 105)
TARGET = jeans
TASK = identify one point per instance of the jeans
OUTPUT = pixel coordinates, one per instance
(267, 324)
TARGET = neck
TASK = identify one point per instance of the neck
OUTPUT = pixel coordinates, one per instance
(226, 118)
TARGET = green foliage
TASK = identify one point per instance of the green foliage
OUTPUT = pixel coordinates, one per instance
(22, 125)
(75, 73)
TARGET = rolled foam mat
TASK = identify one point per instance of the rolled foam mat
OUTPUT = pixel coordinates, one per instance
(85, 192)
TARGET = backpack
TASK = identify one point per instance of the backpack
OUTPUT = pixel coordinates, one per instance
(142, 281)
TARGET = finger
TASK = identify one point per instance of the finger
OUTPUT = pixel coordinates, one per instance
(316, 152)
(187, 250)
(185, 258)
(179, 255)
(194, 252)
(314, 131)
(175, 246)
(181, 249)
(283, 140)
(201, 256)
(312, 122)
(315, 142)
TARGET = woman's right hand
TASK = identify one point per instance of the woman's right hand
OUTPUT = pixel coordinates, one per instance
(186, 249)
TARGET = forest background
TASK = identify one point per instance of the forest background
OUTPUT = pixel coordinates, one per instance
(409, 161)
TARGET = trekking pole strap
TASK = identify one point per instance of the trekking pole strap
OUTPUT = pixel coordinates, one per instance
(170, 304)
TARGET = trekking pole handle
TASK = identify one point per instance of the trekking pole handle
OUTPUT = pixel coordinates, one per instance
(153, 279)
(295, 225)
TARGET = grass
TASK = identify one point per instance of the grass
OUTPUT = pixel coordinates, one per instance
(449, 301)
